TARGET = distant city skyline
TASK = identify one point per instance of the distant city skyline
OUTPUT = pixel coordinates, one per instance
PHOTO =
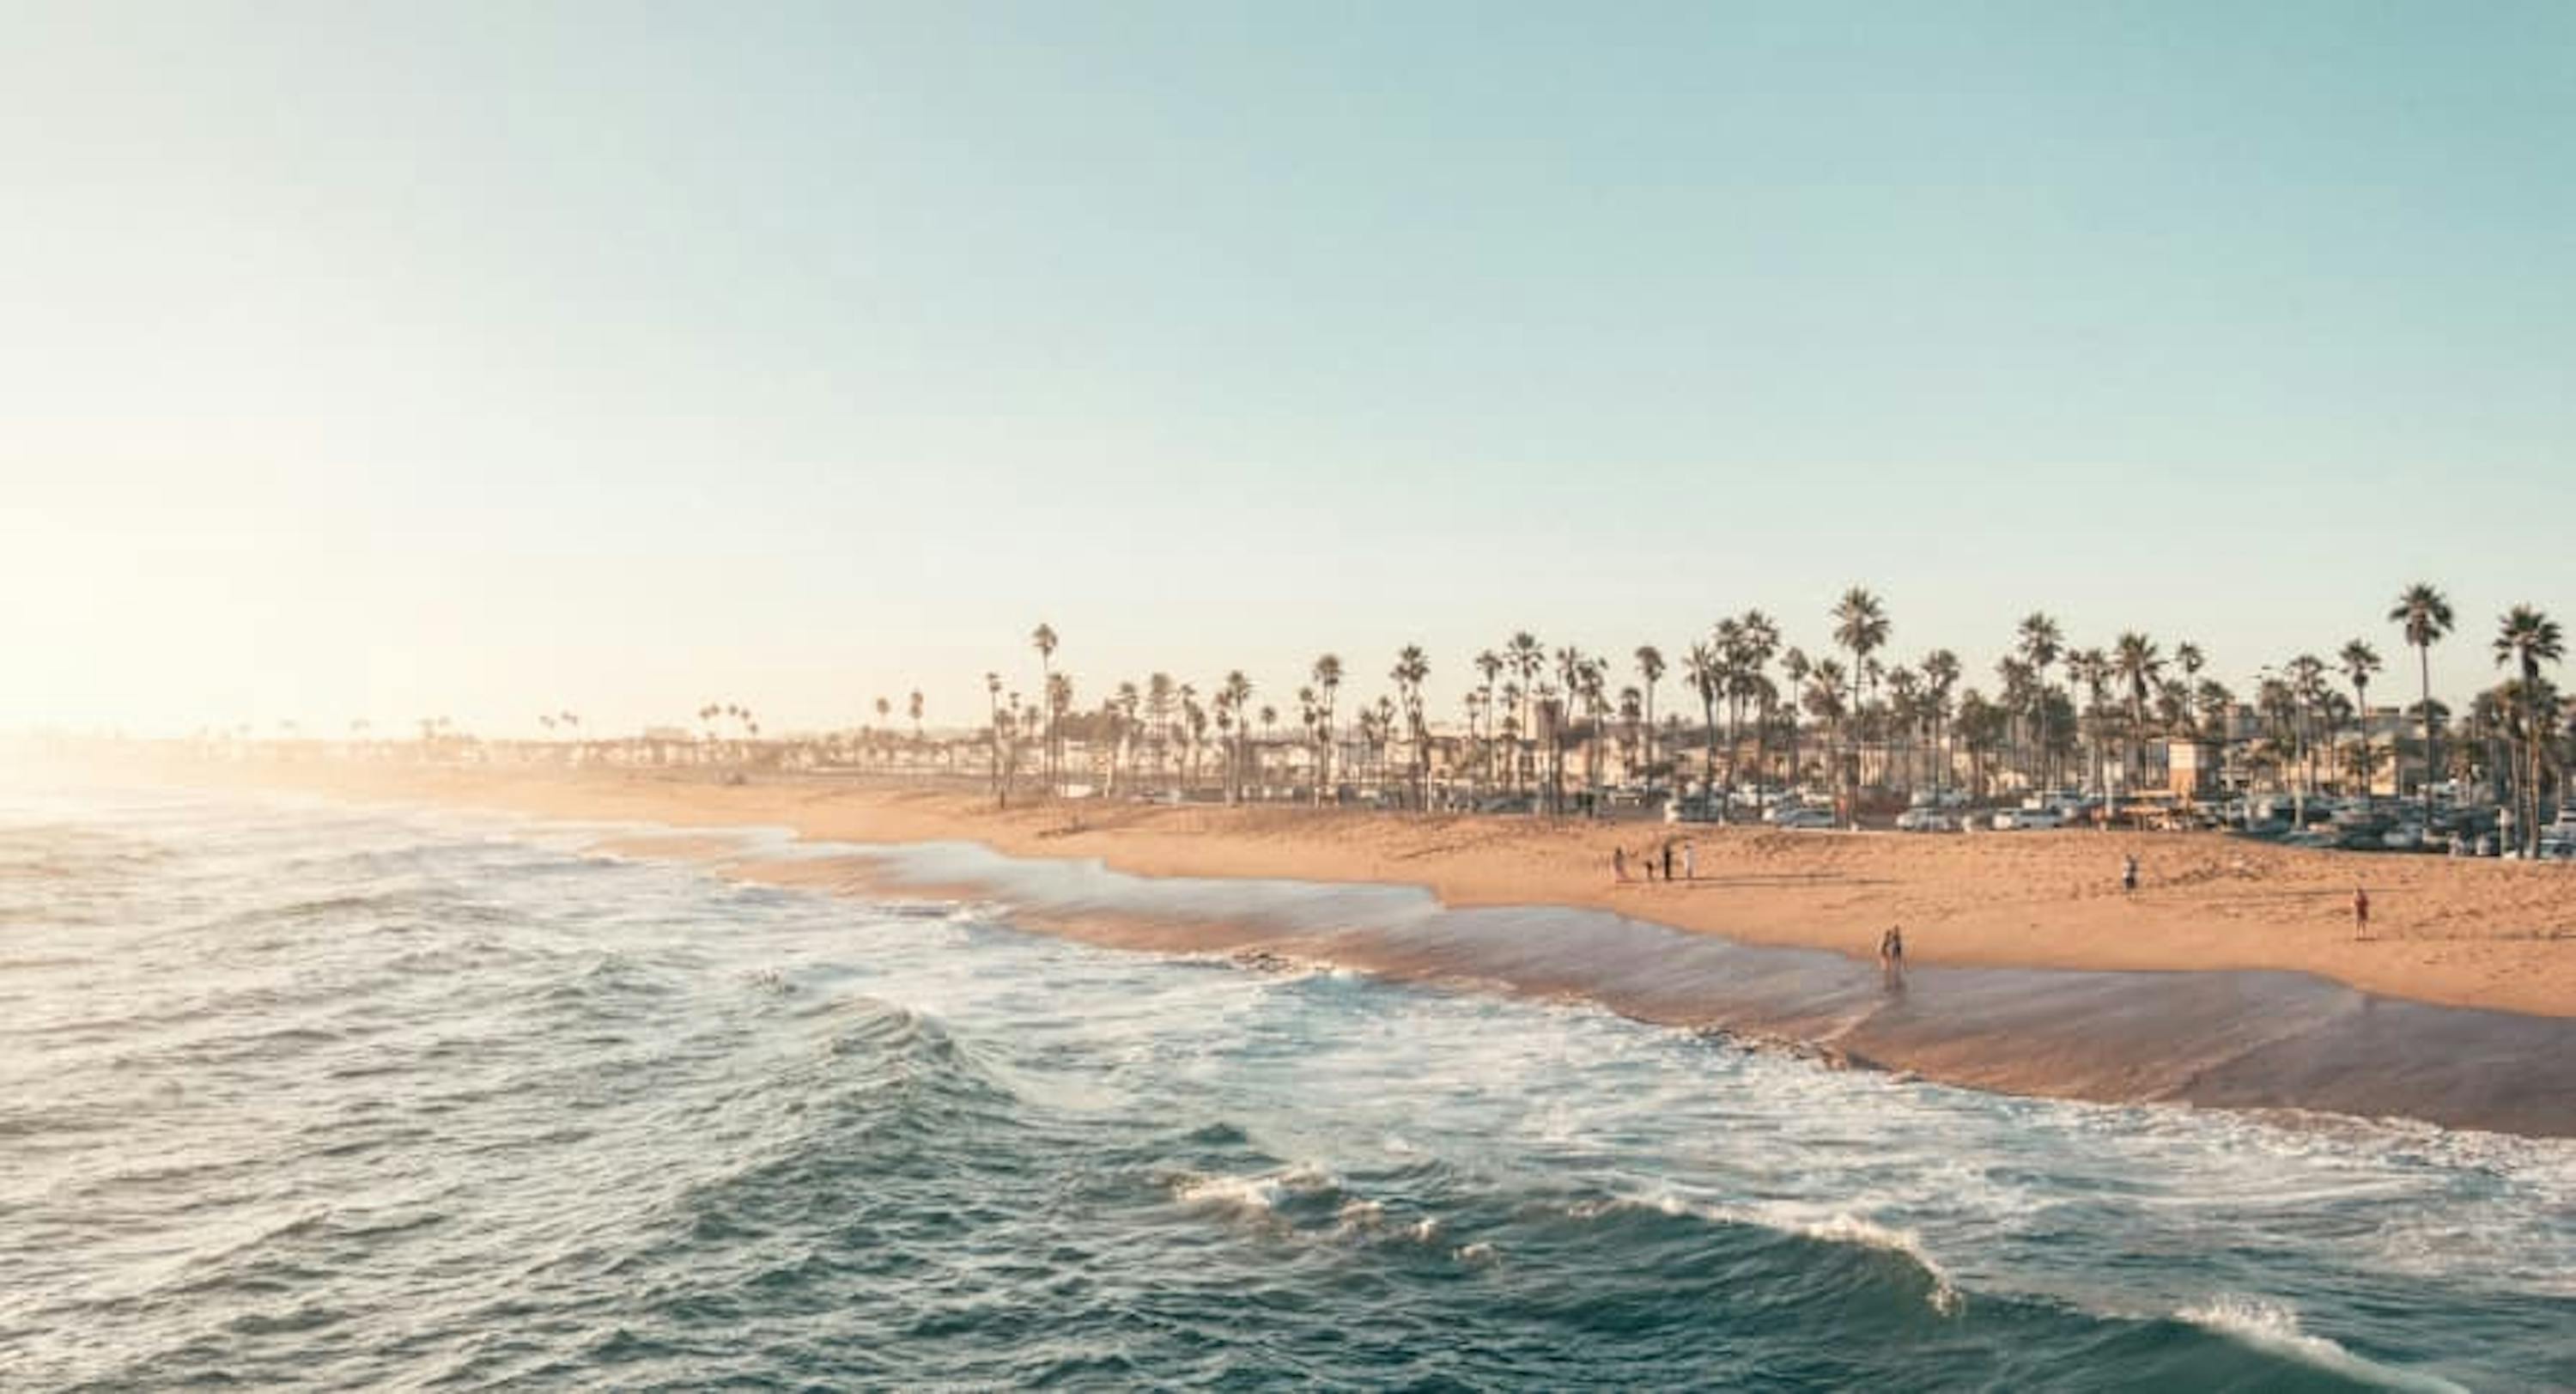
(487, 360)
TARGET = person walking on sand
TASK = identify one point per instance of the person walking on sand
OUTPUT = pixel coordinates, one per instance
(1619, 863)
(1891, 954)
(2129, 874)
(1668, 859)
(2360, 913)
(1690, 861)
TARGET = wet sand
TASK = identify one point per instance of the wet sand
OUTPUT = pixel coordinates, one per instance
(2229, 1038)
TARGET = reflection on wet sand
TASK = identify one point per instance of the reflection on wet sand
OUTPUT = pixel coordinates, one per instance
(2243, 1039)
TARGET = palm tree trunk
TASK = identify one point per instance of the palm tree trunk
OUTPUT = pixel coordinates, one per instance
(2424, 672)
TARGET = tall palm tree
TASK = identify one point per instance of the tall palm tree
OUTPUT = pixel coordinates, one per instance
(2091, 669)
(1527, 660)
(1412, 666)
(1940, 679)
(2426, 614)
(2527, 638)
(912, 708)
(1704, 671)
(1042, 639)
(1745, 650)
(1327, 674)
(1234, 698)
(1650, 666)
(1860, 626)
(1489, 666)
(1570, 662)
(1905, 710)
(2038, 642)
(2135, 659)
(2307, 674)
(1591, 680)
(1794, 663)
(995, 732)
(2360, 661)
(1823, 698)
(1123, 756)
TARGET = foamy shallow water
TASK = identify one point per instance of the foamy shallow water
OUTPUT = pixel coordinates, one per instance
(299, 1093)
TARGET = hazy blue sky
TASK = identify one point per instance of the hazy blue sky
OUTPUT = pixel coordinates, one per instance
(386, 360)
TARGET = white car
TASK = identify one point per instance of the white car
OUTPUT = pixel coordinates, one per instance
(2028, 819)
(1923, 820)
(1805, 818)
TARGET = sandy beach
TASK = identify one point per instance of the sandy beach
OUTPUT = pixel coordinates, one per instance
(2484, 934)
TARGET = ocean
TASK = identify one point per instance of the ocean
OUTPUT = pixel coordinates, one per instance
(304, 1094)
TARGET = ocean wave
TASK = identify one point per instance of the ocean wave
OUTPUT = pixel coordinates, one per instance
(1817, 1224)
(2273, 1328)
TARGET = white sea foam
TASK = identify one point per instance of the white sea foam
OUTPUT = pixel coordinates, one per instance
(1256, 1197)
(2274, 1327)
(1809, 1222)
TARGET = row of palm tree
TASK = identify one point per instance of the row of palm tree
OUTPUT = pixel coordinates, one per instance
(2059, 714)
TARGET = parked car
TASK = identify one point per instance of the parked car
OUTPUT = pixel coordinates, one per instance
(1805, 818)
(1923, 820)
(2012, 820)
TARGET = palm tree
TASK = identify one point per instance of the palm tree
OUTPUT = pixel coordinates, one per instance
(1940, 678)
(1269, 733)
(1328, 683)
(2527, 638)
(2135, 659)
(1412, 666)
(1527, 660)
(1794, 663)
(1650, 666)
(1860, 626)
(1042, 639)
(1570, 663)
(1704, 671)
(2426, 614)
(1590, 680)
(994, 734)
(2091, 669)
(1489, 666)
(1823, 698)
(2360, 661)
(1905, 710)
(1234, 699)
(2307, 674)
(912, 708)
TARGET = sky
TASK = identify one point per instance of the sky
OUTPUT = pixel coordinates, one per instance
(372, 360)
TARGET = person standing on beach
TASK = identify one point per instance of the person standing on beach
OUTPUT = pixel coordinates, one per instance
(1891, 954)
(2129, 874)
(2360, 913)
(1668, 859)
(1690, 861)
(1619, 863)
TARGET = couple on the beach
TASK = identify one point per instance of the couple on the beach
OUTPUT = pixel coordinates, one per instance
(1655, 859)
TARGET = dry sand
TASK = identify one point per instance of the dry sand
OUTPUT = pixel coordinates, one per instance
(2467, 933)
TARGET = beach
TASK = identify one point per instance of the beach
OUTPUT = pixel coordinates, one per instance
(2465, 933)
(2230, 978)
(382, 1093)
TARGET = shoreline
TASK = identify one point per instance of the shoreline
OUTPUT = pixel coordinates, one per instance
(2481, 934)
(2104, 1027)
